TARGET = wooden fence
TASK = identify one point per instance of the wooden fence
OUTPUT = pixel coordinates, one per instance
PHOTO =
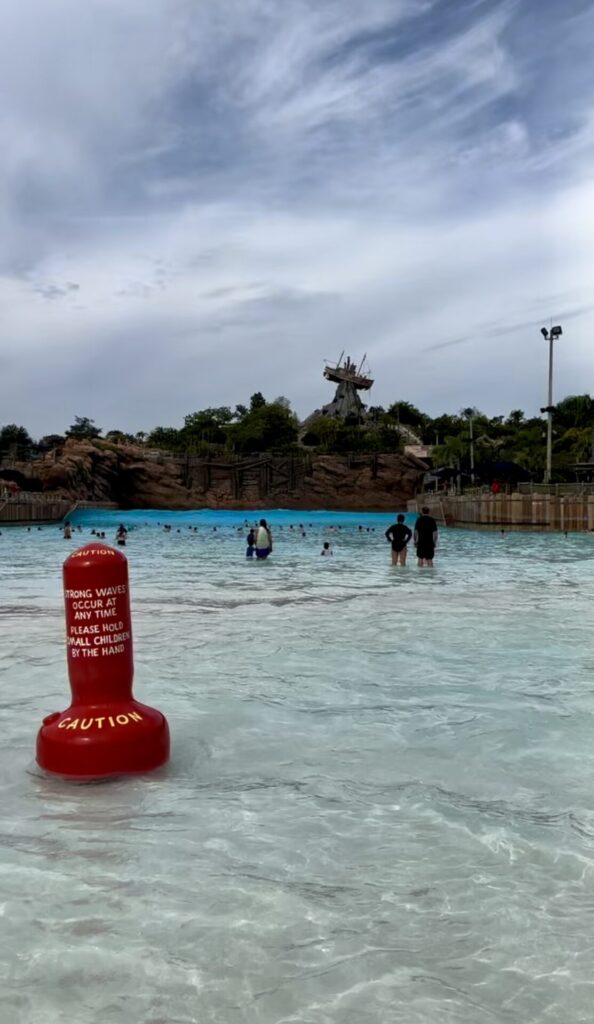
(511, 511)
(28, 507)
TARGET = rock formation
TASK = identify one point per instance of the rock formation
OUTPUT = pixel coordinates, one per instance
(135, 477)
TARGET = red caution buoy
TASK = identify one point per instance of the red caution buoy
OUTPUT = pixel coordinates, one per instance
(104, 731)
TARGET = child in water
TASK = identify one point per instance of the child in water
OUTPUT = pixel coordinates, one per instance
(251, 544)
(326, 550)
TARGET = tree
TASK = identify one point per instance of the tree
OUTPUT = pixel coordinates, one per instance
(207, 425)
(407, 413)
(119, 436)
(217, 416)
(444, 425)
(574, 445)
(515, 418)
(83, 429)
(472, 413)
(167, 438)
(257, 401)
(13, 438)
(49, 441)
(322, 432)
(240, 412)
(270, 427)
(574, 411)
(454, 452)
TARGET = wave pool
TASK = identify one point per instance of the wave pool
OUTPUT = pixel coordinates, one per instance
(379, 805)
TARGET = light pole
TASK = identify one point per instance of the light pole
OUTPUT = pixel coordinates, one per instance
(555, 332)
(469, 414)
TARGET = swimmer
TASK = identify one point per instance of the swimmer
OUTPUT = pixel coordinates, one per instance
(399, 535)
(121, 535)
(326, 550)
(67, 532)
(251, 544)
(263, 541)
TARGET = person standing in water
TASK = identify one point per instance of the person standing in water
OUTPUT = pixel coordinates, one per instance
(399, 535)
(326, 550)
(425, 538)
(263, 540)
(121, 535)
(67, 531)
(251, 544)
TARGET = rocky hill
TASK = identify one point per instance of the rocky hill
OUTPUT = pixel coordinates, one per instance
(137, 478)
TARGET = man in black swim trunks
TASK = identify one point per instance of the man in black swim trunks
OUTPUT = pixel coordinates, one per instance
(425, 538)
(399, 535)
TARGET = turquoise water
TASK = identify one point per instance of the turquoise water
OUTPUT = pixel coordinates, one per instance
(379, 806)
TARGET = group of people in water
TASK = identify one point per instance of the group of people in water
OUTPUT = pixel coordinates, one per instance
(120, 537)
(259, 541)
(259, 544)
(424, 538)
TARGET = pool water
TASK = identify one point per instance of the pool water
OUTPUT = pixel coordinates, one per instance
(379, 806)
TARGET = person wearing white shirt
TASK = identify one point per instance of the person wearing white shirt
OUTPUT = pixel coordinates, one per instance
(263, 541)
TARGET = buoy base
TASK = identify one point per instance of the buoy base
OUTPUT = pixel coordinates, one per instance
(95, 742)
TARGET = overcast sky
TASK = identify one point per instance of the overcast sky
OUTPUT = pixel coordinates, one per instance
(205, 198)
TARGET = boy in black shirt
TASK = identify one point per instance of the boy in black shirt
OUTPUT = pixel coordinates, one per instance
(399, 536)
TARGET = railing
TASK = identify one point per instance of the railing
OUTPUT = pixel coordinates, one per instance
(31, 497)
(28, 507)
(556, 490)
(526, 487)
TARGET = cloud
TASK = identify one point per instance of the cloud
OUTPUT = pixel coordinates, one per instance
(206, 200)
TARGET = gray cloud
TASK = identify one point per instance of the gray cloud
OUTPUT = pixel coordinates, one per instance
(203, 200)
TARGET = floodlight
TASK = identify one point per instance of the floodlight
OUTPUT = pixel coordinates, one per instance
(556, 331)
(544, 332)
